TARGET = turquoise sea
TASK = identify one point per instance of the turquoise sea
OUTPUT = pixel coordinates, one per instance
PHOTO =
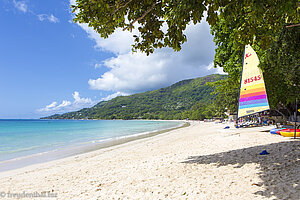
(25, 138)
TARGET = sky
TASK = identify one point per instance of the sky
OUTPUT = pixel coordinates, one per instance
(49, 64)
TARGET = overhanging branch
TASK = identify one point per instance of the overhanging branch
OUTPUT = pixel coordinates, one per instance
(121, 6)
(139, 18)
(293, 25)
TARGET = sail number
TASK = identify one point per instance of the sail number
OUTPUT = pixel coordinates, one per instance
(250, 80)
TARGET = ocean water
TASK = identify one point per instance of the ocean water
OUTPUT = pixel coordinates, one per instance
(23, 138)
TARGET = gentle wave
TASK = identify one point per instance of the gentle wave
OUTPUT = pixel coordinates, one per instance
(22, 138)
(19, 150)
(78, 148)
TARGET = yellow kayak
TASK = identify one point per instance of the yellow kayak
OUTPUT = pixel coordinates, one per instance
(290, 132)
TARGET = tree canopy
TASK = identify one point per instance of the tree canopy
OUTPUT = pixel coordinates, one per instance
(277, 49)
(271, 27)
(161, 23)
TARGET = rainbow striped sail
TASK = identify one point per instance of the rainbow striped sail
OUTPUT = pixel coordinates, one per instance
(253, 96)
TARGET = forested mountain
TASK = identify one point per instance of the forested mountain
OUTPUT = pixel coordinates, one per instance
(186, 99)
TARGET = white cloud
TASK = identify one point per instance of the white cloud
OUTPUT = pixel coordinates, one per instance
(54, 107)
(98, 65)
(49, 107)
(114, 95)
(135, 72)
(79, 102)
(119, 42)
(51, 18)
(62, 105)
(21, 5)
(219, 70)
(67, 106)
(72, 2)
(42, 17)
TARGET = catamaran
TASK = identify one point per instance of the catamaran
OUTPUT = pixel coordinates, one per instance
(253, 96)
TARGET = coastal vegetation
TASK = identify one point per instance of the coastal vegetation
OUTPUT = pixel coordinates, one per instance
(277, 48)
(271, 27)
(186, 99)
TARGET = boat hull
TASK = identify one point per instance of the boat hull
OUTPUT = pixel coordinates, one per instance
(290, 132)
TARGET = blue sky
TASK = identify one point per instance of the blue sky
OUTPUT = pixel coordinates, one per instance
(51, 65)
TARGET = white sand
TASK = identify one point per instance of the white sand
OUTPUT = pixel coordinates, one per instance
(202, 161)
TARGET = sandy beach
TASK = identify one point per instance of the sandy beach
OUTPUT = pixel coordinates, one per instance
(202, 161)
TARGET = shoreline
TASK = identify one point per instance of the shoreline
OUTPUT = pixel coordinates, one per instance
(78, 149)
(201, 161)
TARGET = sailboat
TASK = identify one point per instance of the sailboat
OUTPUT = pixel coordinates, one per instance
(253, 95)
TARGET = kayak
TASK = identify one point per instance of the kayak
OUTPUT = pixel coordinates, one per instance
(273, 131)
(278, 132)
(290, 132)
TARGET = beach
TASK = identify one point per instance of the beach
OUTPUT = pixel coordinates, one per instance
(201, 161)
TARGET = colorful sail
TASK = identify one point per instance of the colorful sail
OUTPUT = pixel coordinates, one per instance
(253, 96)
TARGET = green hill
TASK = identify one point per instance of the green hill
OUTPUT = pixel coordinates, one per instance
(185, 99)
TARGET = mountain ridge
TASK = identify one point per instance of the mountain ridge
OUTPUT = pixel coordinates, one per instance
(172, 102)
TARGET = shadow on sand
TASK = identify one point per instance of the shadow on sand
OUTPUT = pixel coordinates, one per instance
(280, 170)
